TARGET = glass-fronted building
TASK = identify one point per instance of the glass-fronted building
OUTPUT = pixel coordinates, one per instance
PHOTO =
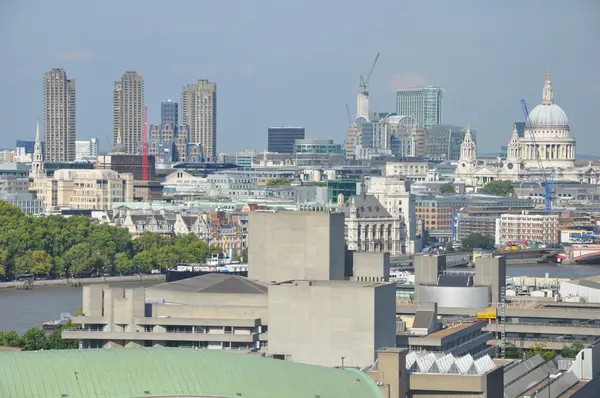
(344, 187)
(424, 104)
(281, 139)
(443, 141)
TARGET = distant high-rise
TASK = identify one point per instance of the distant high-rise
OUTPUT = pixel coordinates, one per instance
(281, 139)
(199, 112)
(86, 149)
(59, 116)
(424, 104)
(128, 111)
(169, 114)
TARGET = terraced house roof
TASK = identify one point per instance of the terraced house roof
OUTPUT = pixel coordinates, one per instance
(171, 372)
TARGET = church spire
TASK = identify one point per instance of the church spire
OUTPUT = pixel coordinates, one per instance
(548, 93)
(37, 161)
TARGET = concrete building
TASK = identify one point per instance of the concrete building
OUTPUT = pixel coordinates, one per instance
(128, 111)
(59, 116)
(296, 245)
(86, 189)
(424, 104)
(331, 322)
(199, 112)
(282, 139)
(300, 260)
(169, 113)
(433, 285)
(86, 149)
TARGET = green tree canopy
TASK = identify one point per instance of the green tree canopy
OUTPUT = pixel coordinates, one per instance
(542, 350)
(447, 188)
(571, 350)
(79, 247)
(277, 182)
(10, 338)
(498, 188)
(34, 339)
(478, 241)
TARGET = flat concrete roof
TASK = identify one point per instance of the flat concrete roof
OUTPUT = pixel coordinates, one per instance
(440, 334)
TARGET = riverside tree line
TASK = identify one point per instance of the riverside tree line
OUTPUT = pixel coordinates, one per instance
(56, 246)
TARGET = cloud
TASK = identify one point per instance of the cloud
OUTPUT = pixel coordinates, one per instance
(246, 70)
(407, 80)
(76, 55)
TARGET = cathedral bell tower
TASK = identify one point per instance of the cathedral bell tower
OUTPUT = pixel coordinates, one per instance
(514, 157)
(468, 151)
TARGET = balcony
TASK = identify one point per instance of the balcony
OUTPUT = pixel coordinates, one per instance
(95, 334)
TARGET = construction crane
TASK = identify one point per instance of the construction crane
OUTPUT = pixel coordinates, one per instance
(548, 180)
(348, 112)
(364, 84)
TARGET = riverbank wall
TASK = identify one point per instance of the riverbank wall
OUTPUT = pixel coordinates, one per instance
(82, 281)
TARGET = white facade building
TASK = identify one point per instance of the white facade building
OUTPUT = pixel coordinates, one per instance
(370, 227)
(86, 149)
(548, 132)
(530, 227)
(393, 192)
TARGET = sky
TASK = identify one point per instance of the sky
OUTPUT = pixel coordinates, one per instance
(298, 63)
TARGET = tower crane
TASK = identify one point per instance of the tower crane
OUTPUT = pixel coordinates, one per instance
(548, 180)
(364, 84)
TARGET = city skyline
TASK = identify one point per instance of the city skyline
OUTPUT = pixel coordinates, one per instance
(275, 84)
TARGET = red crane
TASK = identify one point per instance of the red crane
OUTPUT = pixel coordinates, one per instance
(145, 146)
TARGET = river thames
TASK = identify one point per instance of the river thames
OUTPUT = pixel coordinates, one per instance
(22, 309)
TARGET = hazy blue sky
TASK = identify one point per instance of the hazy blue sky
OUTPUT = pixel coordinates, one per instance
(298, 63)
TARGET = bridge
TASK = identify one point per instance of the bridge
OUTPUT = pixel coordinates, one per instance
(576, 253)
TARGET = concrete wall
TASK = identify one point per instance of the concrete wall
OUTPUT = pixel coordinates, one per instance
(454, 297)
(371, 266)
(86, 281)
(428, 268)
(296, 245)
(321, 322)
(491, 271)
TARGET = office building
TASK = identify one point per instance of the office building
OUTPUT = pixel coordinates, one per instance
(86, 189)
(86, 149)
(443, 141)
(128, 111)
(424, 104)
(199, 112)
(28, 146)
(59, 116)
(281, 139)
(169, 113)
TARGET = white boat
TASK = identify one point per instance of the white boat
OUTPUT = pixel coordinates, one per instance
(65, 317)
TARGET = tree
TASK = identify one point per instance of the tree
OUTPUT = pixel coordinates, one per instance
(34, 339)
(166, 257)
(3, 262)
(513, 352)
(56, 342)
(123, 264)
(571, 350)
(278, 182)
(541, 350)
(10, 338)
(450, 247)
(79, 259)
(144, 261)
(39, 262)
(447, 188)
(478, 241)
(498, 188)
